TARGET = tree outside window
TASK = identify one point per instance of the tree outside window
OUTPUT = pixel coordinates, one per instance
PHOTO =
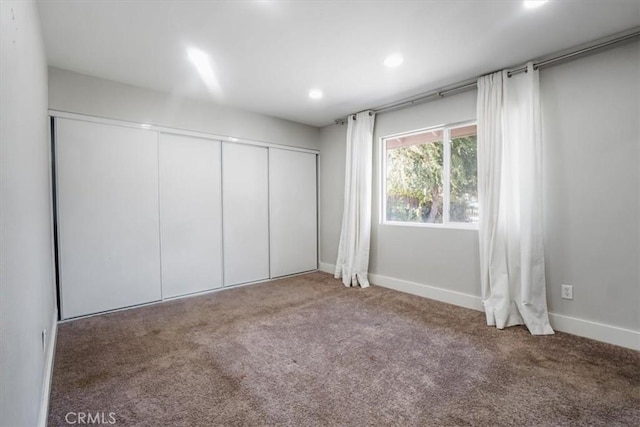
(431, 176)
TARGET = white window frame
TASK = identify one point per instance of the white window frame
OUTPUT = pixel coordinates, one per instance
(446, 179)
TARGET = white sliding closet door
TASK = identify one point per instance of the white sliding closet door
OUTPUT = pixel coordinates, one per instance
(245, 195)
(293, 212)
(190, 215)
(108, 227)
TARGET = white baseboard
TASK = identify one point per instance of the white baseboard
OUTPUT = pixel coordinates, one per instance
(439, 294)
(584, 328)
(327, 268)
(431, 292)
(48, 371)
(596, 331)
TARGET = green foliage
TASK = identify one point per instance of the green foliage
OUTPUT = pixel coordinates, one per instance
(415, 181)
(464, 179)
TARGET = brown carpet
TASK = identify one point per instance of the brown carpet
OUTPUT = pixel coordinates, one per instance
(306, 351)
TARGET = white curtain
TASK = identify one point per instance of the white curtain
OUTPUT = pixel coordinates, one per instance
(509, 190)
(353, 252)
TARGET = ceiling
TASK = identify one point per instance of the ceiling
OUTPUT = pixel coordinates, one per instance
(266, 56)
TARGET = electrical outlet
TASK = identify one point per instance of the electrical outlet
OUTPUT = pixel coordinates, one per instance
(567, 292)
(44, 340)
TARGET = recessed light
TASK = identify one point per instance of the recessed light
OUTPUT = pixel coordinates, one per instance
(315, 94)
(532, 4)
(393, 60)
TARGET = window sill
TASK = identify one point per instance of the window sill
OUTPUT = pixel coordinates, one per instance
(448, 226)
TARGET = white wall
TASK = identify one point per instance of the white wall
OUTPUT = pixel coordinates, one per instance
(331, 165)
(592, 192)
(27, 299)
(423, 255)
(591, 116)
(79, 93)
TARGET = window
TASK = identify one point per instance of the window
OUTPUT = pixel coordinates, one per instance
(430, 177)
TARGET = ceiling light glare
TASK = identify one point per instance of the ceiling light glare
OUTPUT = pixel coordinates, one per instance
(532, 4)
(202, 64)
(393, 60)
(315, 94)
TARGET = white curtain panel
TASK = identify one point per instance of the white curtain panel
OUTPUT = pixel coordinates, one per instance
(509, 190)
(353, 252)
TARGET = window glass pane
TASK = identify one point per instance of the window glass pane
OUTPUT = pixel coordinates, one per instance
(464, 175)
(414, 177)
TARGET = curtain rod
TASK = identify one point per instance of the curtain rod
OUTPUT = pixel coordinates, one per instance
(607, 42)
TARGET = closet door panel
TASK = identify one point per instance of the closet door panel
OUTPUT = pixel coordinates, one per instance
(245, 195)
(293, 212)
(107, 199)
(190, 215)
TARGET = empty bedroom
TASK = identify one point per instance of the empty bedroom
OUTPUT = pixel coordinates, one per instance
(319, 213)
